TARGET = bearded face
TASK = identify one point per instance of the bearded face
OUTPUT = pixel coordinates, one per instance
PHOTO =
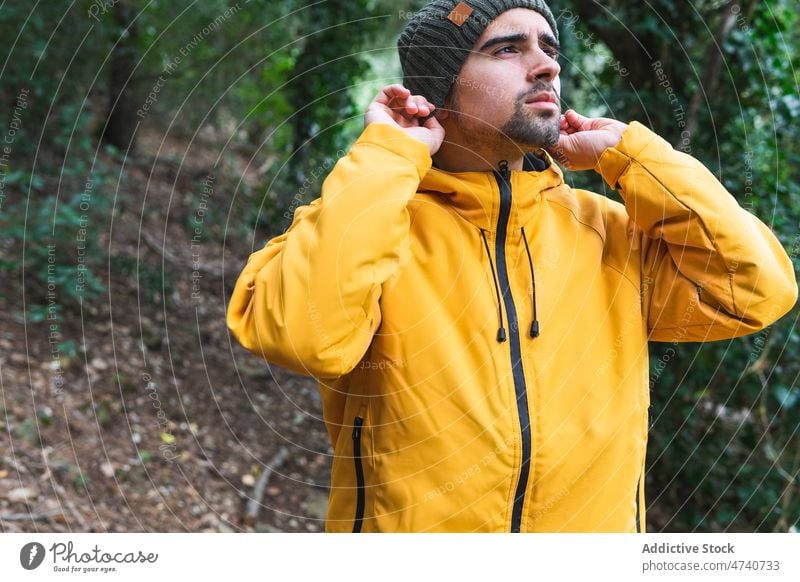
(507, 94)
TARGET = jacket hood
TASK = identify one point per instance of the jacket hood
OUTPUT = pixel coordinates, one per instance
(475, 195)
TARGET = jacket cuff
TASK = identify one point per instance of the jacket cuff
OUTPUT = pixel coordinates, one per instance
(616, 159)
(396, 141)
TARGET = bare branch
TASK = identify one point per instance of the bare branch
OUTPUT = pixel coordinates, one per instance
(31, 516)
(254, 503)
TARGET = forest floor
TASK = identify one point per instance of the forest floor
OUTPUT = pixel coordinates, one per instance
(139, 412)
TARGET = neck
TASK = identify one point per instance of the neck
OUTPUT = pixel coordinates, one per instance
(453, 157)
(472, 151)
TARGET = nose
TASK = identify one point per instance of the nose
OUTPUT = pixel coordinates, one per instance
(542, 66)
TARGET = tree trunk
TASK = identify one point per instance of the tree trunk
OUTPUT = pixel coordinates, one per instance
(121, 120)
(712, 70)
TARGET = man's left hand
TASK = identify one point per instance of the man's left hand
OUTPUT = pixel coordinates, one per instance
(583, 140)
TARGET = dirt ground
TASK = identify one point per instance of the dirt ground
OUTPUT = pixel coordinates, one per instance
(156, 421)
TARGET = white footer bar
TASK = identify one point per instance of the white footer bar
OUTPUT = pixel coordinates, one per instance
(401, 557)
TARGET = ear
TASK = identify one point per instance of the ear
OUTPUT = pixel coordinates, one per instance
(443, 112)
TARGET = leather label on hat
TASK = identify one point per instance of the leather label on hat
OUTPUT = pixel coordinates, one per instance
(460, 14)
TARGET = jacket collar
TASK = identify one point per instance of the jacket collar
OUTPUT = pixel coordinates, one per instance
(476, 195)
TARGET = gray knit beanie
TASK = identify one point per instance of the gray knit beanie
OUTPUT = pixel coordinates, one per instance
(438, 39)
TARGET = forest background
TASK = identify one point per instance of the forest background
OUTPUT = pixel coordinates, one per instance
(149, 146)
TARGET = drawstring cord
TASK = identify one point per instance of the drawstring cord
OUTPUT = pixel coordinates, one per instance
(535, 324)
(501, 332)
(530, 162)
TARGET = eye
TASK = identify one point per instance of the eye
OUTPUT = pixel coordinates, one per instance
(550, 51)
(506, 50)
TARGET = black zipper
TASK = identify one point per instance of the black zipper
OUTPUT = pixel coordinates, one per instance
(641, 476)
(503, 178)
(638, 525)
(357, 424)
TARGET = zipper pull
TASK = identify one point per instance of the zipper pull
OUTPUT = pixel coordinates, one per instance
(504, 171)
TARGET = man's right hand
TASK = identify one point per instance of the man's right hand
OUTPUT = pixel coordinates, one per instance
(396, 106)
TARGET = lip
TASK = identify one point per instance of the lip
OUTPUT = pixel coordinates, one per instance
(545, 99)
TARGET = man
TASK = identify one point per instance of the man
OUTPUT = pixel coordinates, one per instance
(479, 329)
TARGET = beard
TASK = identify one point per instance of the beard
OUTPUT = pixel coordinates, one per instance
(526, 129)
(530, 128)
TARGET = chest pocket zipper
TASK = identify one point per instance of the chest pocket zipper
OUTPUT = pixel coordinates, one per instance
(358, 423)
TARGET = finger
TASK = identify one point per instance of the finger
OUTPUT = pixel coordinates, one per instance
(392, 92)
(433, 124)
(566, 129)
(416, 106)
(576, 120)
(397, 90)
(425, 108)
(402, 107)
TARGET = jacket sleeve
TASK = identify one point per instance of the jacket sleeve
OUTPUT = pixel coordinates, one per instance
(710, 269)
(309, 300)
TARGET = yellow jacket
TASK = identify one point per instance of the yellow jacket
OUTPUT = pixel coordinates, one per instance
(409, 293)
